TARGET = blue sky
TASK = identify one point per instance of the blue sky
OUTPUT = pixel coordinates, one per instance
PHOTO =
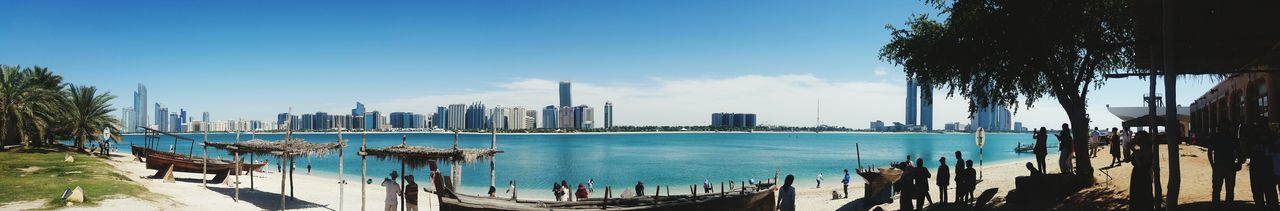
(662, 62)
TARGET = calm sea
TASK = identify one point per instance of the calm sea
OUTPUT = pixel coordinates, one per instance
(676, 159)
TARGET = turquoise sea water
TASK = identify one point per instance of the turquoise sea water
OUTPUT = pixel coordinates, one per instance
(676, 159)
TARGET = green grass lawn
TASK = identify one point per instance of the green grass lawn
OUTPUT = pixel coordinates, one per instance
(54, 175)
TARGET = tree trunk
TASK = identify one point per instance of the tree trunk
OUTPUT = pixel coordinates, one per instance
(1080, 133)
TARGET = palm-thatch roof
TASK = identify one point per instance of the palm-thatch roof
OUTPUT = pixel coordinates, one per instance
(292, 147)
(416, 156)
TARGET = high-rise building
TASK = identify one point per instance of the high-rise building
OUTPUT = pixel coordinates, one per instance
(993, 118)
(374, 120)
(139, 114)
(323, 121)
(182, 120)
(204, 116)
(457, 116)
(359, 110)
(531, 119)
(419, 121)
(608, 115)
(175, 123)
(733, 120)
(161, 115)
(911, 102)
(126, 118)
(566, 97)
(583, 117)
(565, 118)
(549, 117)
(441, 119)
(476, 118)
(926, 107)
(498, 118)
(308, 122)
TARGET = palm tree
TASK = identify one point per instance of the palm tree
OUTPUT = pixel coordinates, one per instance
(86, 113)
(29, 99)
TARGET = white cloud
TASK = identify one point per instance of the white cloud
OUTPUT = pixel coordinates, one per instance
(881, 71)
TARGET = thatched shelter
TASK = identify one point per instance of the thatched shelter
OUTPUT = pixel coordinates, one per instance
(284, 149)
(417, 157)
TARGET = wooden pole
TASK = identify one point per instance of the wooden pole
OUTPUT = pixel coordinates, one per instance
(493, 145)
(283, 177)
(402, 186)
(204, 166)
(291, 186)
(252, 135)
(363, 170)
(341, 182)
(236, 157)
(288, 134)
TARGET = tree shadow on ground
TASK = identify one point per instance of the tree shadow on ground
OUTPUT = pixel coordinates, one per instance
(267, 200)
(1220, 206)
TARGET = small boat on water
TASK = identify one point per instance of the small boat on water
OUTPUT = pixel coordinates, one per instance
(1024, 148)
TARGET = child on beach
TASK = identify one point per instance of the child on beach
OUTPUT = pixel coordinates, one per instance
(410, 193)
(944, 179)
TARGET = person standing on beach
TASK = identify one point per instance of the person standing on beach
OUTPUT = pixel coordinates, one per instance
(787, 195)
(1261, 181)
(1126, 142)
(564, 190)
(905, 186)
(1095, 138)
(959, 170)
(410, 193)
(971, 177)
(944, 179)
(1064, 149)
(1140, 188)
(393, 191)
(591, 185)
(640, 188)
(555, 190)
(1222, 157)
(1041, 149)
(308, 169)
(1113, 143)
(819, 180)
(922, 184)
(706, 186)
(846, 183)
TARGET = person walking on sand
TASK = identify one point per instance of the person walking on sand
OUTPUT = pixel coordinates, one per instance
(944, 179)
(922, 184)
(393, 191)
(846, 183)
(787, 195)
(1113, 145)
(706, 186)
(819, 180)
(591, 185)
(1064, 149)
(410, 193)
(1041, 149)
(1223, 159)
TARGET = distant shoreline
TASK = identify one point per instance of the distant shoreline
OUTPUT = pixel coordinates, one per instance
(600, 133)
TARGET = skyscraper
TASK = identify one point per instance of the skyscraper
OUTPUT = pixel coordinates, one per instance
(359, 110)
(126, 117)
(441, 117)
(476, 117)
(182, 120)
(926, 107)
(139, 117)
(162, 114)
(565, 118)
(583, 117)
(911, 102)
(457, 116)
(608, 115)
(566, 97)
(531, 119)
(993, 118)
(549, 117)
(204, 116)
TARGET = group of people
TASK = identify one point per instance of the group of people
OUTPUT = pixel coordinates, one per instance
(410, 192)
(913, 187)
(562, 190)
(1231, 147)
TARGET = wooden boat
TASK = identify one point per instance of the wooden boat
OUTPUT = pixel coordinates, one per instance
(1024, 148)
(160, 161)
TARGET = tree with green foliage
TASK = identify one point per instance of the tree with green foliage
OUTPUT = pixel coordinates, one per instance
(86, 112)
(1007, 53)
(29, 100)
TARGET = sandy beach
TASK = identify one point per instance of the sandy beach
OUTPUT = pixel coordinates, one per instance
(312, 192)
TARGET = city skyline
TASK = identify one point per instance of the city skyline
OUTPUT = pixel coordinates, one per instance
(673, 68)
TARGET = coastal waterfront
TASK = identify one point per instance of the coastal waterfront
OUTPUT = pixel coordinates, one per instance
(677, 159)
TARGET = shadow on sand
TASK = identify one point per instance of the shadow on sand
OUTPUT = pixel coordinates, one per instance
(267, 200)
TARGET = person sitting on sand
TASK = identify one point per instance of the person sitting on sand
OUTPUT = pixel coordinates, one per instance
(493, 192)
(1034, 172)
(639, 188)
(393, 191)
(944, 179)
(787, 195)
(410, 193)
(582, 191)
